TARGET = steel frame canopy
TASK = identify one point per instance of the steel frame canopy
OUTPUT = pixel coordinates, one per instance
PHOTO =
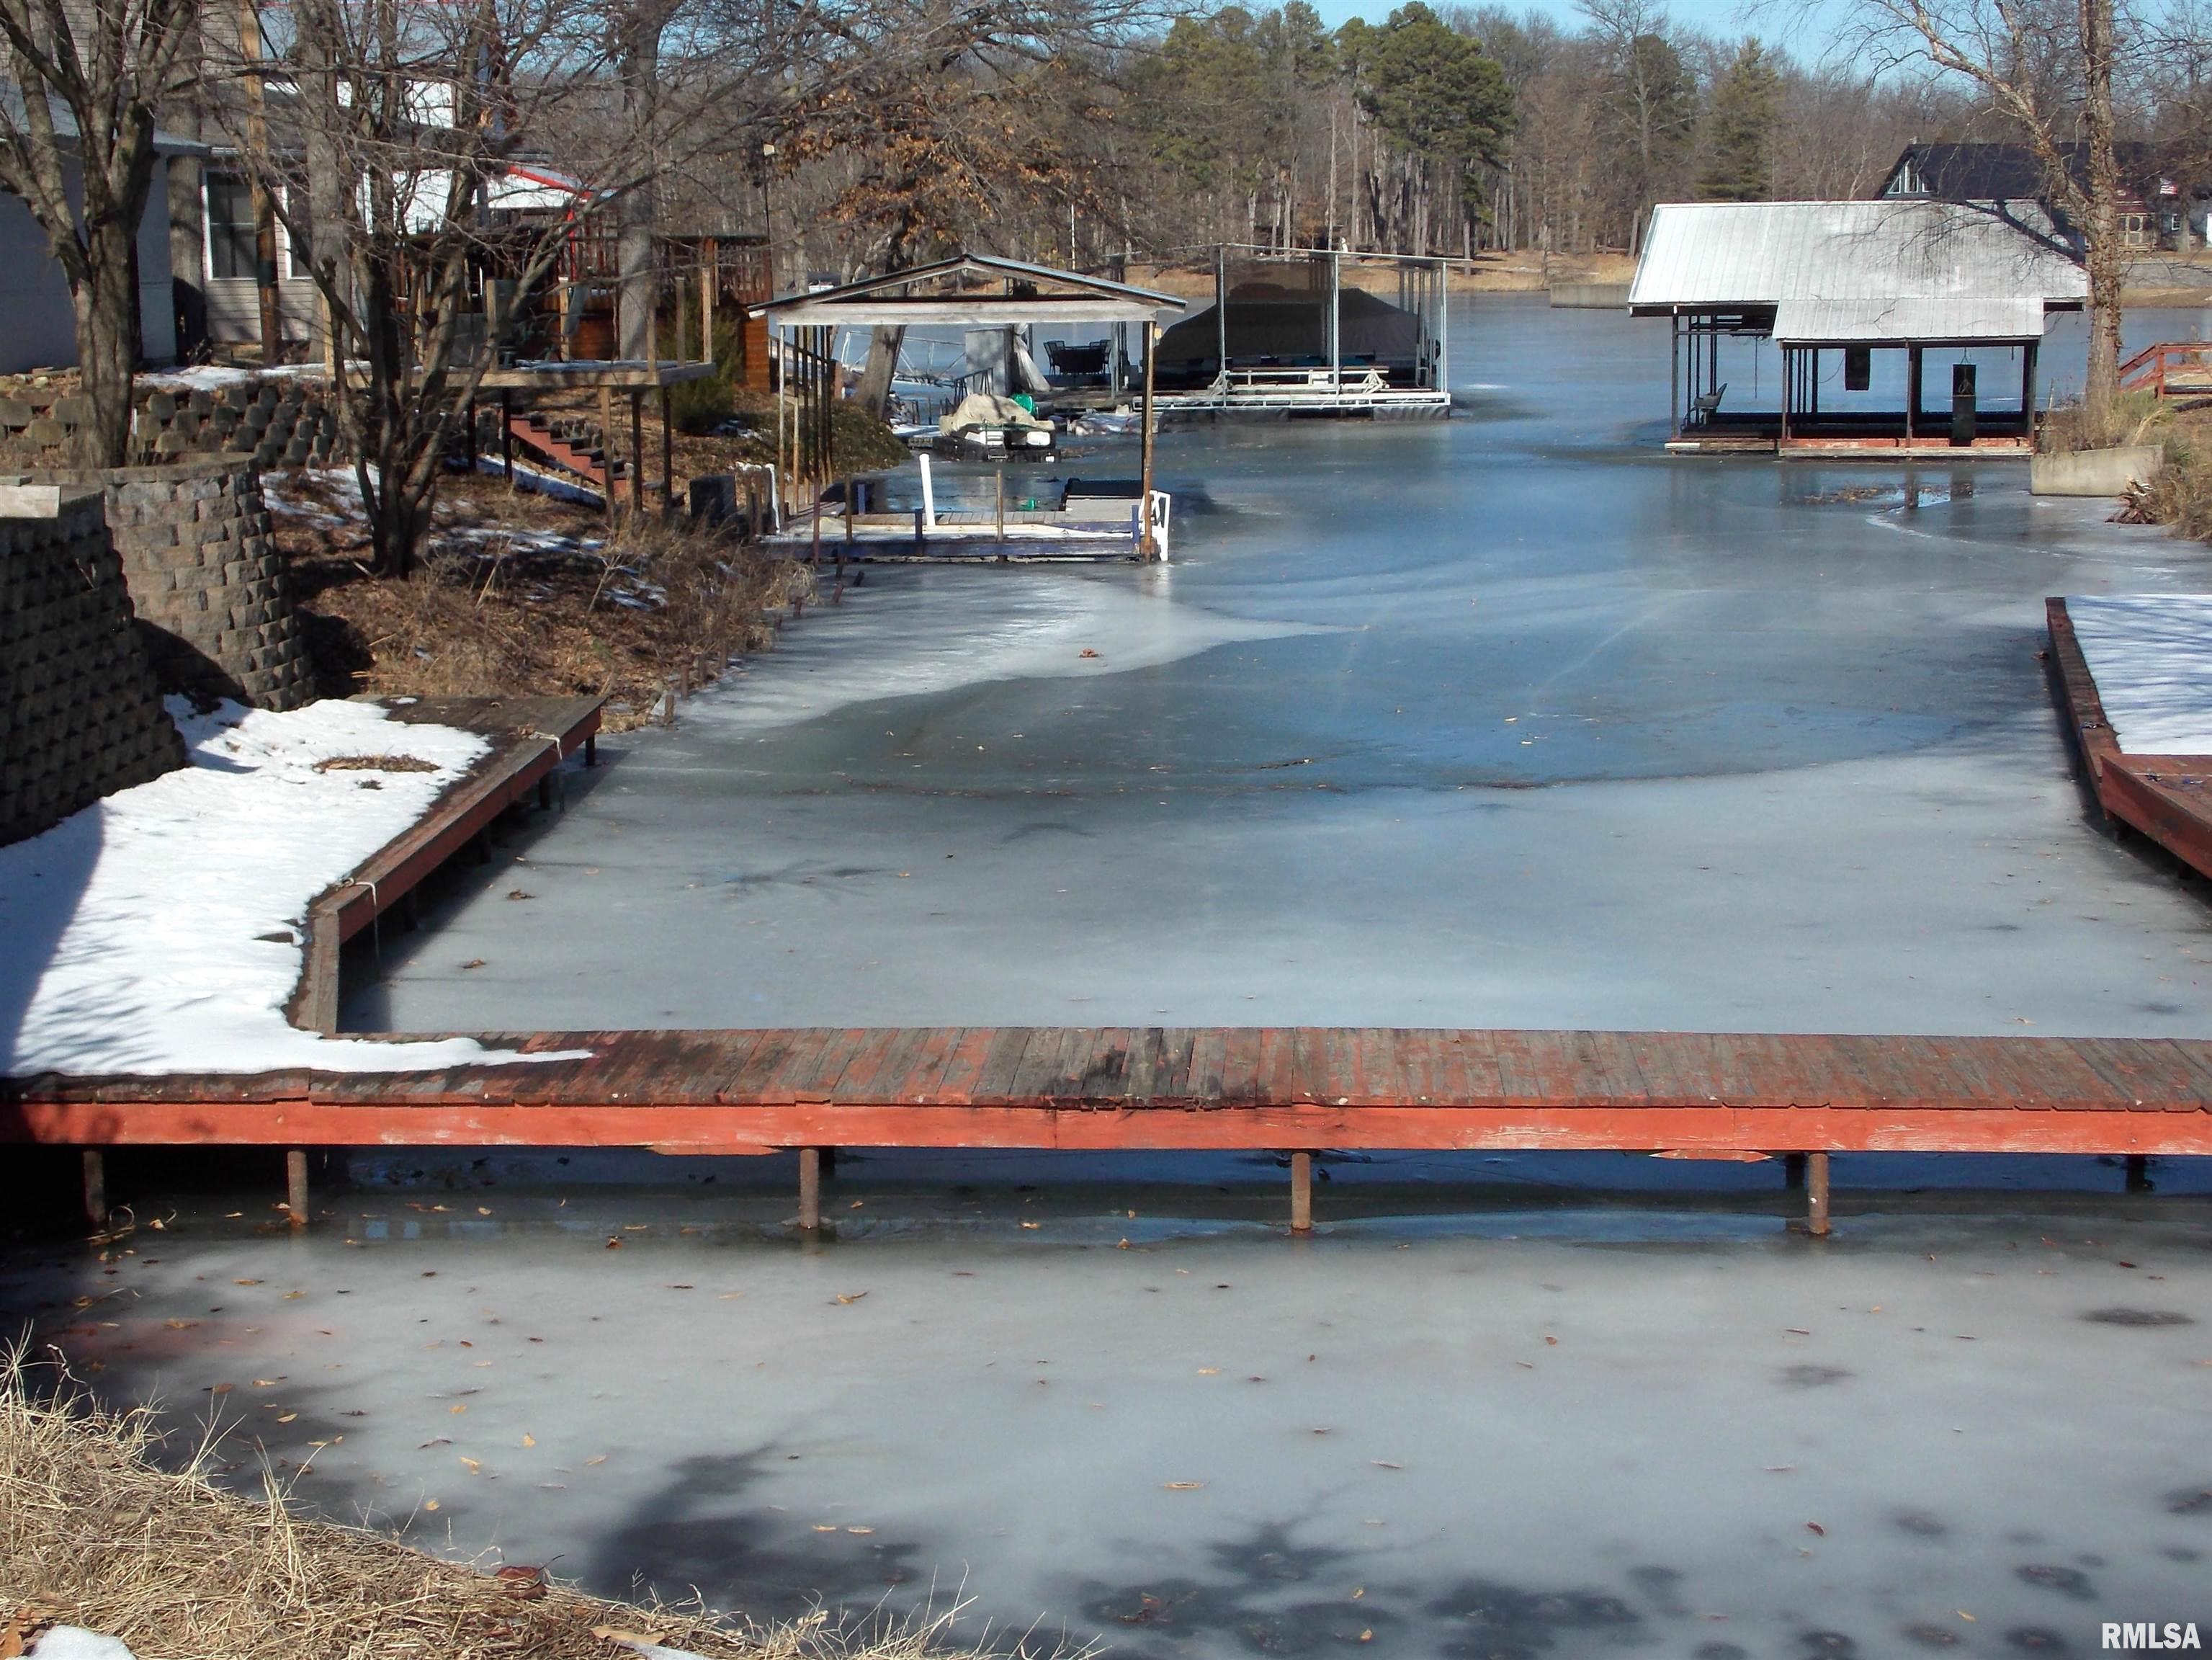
(887, 301)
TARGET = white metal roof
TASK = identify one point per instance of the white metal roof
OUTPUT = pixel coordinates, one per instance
(887, 299)
(1860, 272)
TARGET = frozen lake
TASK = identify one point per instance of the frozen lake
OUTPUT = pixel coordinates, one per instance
(1508, 721)
(1977, 1424)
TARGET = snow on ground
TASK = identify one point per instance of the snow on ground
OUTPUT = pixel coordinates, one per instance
(2151, 656)
(160, 929)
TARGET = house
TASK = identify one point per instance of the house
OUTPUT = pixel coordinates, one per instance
(2157, 209)
(1840, 289)
(34, 298)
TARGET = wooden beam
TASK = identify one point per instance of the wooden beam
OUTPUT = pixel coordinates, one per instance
(369, 1111)
(295, 1186)
(809, 1189)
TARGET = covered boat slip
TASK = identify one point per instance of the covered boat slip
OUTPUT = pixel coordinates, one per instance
(1861, 302)
(968, 291)
(1312, 334)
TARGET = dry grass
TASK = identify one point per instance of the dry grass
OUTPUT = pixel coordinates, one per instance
(518, 594)
(95, 1531)
(2135, 417)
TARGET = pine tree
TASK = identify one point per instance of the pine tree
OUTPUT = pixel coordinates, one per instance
(1745, 109)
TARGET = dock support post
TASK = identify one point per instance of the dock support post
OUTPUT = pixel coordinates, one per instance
(1145, 470)
(2138, 1173)
(636, 451)
(295, 1186)
(1816, 1195)
(95, 1187)
(667, 458)
(1302, 1192)
(1793, 1171)
(809, 1189)
(607, 445)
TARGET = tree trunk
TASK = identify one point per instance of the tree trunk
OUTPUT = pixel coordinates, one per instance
(639, 71)
(106, 307)
(2102, 386)
(874, 391)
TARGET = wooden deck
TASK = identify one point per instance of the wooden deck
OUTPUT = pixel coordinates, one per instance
(1302, 1089)
(530, 737)
(2167, 797)
(1708, 1095)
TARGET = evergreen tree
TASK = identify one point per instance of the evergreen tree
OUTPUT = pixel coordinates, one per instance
(1740, 129)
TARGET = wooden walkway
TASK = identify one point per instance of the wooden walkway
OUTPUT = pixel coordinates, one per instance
(530, 738)
(1713, 1095)
(1299, 1090)
(2167, 797)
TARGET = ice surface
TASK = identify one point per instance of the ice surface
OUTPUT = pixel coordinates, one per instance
(2151, 657)
(1512, 721)
(1537, 1430)
(160, 929)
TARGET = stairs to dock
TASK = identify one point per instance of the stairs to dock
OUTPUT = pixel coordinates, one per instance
(574, 445)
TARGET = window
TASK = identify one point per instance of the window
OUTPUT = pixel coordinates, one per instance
(230, 226)
(2134, 230)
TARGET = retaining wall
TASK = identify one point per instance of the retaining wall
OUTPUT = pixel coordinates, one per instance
(2095, 472)
(212, 594)
(80, 714)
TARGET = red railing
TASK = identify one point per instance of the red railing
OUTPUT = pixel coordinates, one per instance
(2148, 369)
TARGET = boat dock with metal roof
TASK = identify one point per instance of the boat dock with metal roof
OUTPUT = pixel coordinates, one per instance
(1832, 285)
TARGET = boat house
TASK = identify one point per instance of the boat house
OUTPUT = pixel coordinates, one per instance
(1312, 333)
(1808, 328)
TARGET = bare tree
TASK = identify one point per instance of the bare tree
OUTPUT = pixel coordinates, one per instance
(2046, 68)
(84, 169)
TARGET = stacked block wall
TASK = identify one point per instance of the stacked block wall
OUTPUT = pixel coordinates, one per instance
(208, 580)
(80, 716)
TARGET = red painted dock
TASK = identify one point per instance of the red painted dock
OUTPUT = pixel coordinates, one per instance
(2167, 797)
(1702, 1094)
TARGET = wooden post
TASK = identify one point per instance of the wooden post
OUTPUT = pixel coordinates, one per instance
(636, 451)
(1911, 392)
(999, 501)
(1793, 1172)
(295, 1186)
(607, 443)
(2138, 1173)
(95, 1187)
(708, 281)
(667, 458)
(506, 436)
(1674, 373)
(1144, 468)
(2027, 390)
(1302, 1192)
(1816, 1195)
(1789, 390)
(809, 1189)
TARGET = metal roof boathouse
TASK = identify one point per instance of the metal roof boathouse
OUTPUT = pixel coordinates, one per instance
(1855, 295)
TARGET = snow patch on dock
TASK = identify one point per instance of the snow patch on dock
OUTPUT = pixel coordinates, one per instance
(2151, 657)
(163, 929)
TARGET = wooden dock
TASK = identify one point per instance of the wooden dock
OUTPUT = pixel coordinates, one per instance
(530, 736)
(1295, 1090)
(1715, 1095)
(2167, 797)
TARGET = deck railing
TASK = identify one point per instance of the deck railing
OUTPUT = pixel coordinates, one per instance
(2157, 369)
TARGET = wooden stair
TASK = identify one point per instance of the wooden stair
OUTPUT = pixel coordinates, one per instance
(573, 446)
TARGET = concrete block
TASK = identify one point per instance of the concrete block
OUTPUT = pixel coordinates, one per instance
(2095, 472)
